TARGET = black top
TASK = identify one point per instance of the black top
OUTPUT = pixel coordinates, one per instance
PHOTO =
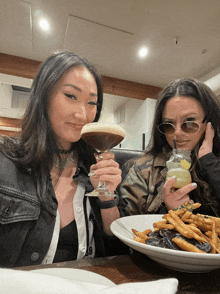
(67, 247)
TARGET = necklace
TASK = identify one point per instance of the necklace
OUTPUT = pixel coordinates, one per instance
(64, 151)
(64, 162)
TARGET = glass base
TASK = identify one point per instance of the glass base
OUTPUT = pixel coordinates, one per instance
(101, 190)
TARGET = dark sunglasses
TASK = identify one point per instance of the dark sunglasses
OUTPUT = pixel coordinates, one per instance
(188, 127)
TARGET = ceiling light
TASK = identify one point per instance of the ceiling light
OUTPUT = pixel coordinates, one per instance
(44, 24)
(143, 52)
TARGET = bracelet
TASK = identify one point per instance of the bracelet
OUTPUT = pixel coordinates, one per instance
(108, 204)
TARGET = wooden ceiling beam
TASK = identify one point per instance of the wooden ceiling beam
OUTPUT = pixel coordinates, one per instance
(27, 68)
(129, 89)
(18, 66)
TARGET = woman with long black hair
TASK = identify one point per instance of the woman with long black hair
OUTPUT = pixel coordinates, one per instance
(44, 172)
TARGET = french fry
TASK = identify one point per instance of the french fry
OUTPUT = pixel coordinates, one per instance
(196, 205)
(163, 225)
(189, 220)
(200, 227)
(180, 211)
(192, 225)
(179, 228)
(184, 229)
(189, 206)
(213, 218)
(166, 226)
(208, 240)
(147, 232)
(203, 220)
(196, 230)
(214, 238)
(140, 234)
(186, 215)
(158, 224)
(209, 234)
(203, 227)
(140, 240)
(186, 246)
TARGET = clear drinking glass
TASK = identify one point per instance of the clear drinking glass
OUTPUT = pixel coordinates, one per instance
(178, 165)
(102, 137)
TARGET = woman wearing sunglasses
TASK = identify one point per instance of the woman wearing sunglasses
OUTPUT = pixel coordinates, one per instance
(188, 113)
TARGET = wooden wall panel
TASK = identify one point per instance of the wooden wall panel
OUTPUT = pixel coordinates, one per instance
(10, 122)
(8, 133)
(27, 68)
(6, 123)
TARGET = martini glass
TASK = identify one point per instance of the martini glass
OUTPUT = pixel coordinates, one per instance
(102, 137)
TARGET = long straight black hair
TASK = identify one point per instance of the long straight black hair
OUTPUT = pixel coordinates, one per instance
(36, 146)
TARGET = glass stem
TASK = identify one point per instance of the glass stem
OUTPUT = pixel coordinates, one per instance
(102, 185)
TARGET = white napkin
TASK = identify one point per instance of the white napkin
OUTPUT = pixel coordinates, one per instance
(29, 282)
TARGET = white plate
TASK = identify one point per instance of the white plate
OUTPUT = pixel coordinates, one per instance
(77, 275)
(174, 259)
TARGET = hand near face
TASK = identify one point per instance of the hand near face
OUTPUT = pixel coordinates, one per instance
(106, 170)
(174, 199)
(207, 143)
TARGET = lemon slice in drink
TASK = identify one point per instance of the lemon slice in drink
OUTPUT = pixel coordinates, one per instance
(185, 164)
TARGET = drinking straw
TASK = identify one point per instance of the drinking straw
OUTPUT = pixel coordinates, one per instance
(174, 143)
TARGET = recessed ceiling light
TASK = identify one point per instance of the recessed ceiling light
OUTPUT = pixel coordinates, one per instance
(44, 24)
(143, 52)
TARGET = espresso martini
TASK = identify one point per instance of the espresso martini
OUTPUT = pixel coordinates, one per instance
(102, 136)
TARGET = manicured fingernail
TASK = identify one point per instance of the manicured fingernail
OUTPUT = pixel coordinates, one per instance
(173, 177)
(91, 174)
(194, 184)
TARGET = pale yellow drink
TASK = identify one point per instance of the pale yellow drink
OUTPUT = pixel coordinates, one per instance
(183, 177)
(178, 165)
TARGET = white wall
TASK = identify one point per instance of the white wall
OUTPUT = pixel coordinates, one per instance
(6, 109)
(138, 120)
(6, 93)
(20, 100)
(212, 80)
(151, 104)
(17, 81)
(107, 115)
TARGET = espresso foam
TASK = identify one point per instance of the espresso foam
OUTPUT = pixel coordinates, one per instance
(104, 128)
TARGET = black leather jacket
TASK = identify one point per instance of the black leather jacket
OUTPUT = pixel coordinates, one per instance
(27, 224)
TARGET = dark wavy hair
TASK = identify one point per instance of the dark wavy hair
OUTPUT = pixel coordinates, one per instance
(187, 87)
(36, 146)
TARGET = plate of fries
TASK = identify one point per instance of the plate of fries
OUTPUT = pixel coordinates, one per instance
(189, 227)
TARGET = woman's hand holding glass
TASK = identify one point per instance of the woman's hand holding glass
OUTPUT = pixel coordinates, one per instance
(105, 170)
(174, 198)
(207, 143)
